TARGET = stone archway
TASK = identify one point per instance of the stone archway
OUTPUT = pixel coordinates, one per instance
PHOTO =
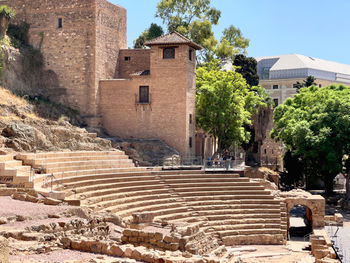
(299, 221)
(315, 204)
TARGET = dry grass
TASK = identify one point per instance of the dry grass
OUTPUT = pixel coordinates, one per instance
(8, 98)
(9, 101)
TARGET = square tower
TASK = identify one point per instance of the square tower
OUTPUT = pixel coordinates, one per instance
(154, 96)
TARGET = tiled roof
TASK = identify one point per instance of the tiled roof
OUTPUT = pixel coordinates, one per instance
(173, 38)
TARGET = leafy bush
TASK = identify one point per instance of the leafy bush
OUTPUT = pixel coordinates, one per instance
(6, 12)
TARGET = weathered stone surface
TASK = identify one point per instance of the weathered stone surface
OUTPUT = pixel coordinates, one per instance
(4, 250)
(51, 201)
(116, 251)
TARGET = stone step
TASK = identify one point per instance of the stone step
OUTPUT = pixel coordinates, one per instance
(251, 215)
(101, 163)
(199, 176)
(72, 176)
(270, 231)
(6, 157)
(179, 216)
(217, 187)
(28, 156)
(131, 200)
(87, 167)
(217, 212)
(199, 207)
(115, 197)
(252, 239)
(143, 204)
(137, 189)
(196, 183)
(47, 161)
(114, 180)
(222, 228)
(156, 210)
(239, 194)
(228, 198)
(244, 221)
(10, 164)
(121, 186)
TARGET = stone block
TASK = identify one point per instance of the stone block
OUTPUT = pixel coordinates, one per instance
(116, 251)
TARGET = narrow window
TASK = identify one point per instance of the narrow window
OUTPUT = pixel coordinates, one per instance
(127, 58)
(275, 101)
(59, 23)
(169, 53)
(272, 151)
(144, 94)
(275, 87)
(320, 85)
(190, 118)
(190, 142)
(265, 151)
(190, 54)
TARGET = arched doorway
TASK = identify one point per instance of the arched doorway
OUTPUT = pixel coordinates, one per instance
(300, 222)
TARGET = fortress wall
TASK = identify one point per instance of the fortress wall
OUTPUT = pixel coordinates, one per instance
(84, 50)
(139, 61)
(68, 51)
(110, 38)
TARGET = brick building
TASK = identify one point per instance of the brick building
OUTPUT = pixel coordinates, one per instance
(147, 93)
(154, 95)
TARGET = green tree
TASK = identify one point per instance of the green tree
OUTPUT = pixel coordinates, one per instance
(248, 68)
(6, 14)
(309, 81)
(314, 125)
(194, 19)
(225, 104)
(152, 32)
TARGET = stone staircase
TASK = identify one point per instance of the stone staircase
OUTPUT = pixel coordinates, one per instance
(13, 173)
(59, 167)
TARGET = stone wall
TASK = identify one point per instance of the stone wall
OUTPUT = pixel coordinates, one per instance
(110, 38)
(83, 50)
(133, 60)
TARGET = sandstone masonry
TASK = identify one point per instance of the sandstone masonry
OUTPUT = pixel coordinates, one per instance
(132, 93)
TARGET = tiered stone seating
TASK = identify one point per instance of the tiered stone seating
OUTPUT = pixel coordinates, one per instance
(13, 173)
(68, 165)
(234, 209)
(238, 210)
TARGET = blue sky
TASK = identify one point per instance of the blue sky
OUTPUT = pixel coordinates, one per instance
(317, 28)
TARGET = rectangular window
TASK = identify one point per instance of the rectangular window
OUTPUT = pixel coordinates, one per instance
(190, 118)
(266, 73)
(190, 142)
(59, 23)
(169, 53)
(127, 58)
(275, 101)
(190, 54)
(275, 87)
(144, 94)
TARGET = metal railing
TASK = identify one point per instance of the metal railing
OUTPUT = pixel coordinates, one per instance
(223, 164)
(199, 163)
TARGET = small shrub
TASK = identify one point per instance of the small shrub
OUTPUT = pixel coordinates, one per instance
(7, 12)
